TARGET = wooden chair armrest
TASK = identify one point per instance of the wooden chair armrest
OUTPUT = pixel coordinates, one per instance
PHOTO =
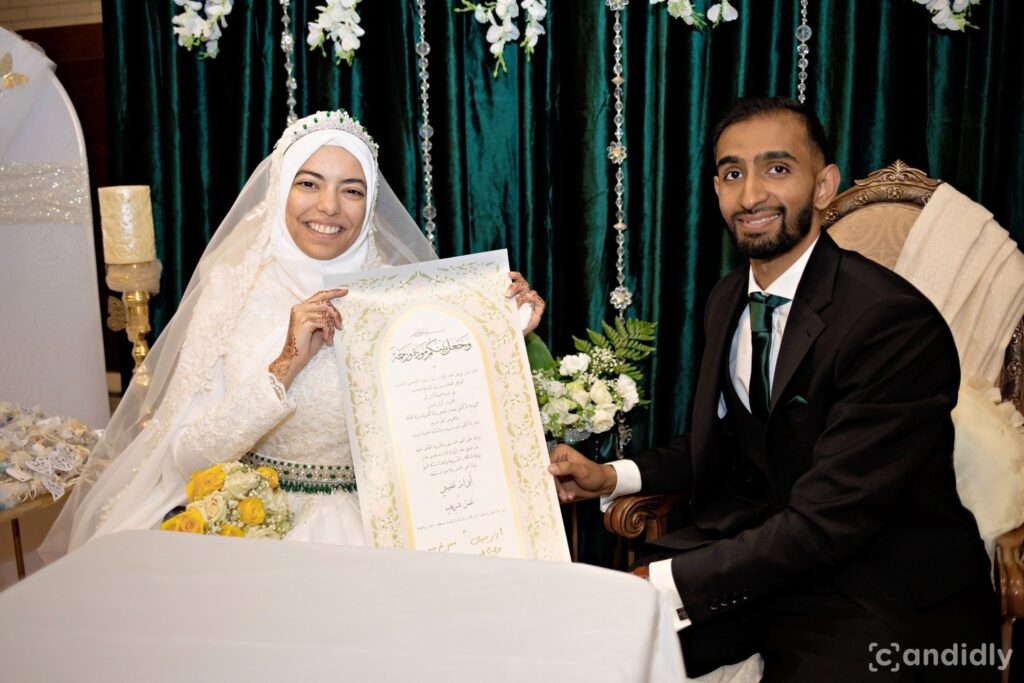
(631, 516)
(1010, 573)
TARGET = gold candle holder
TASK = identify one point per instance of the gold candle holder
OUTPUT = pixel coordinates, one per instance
(129, 251)
(135, 281)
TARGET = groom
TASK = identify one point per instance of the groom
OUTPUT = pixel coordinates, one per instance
(825, 522)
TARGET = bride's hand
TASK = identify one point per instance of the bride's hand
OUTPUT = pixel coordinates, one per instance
(520, 289)
(310, 326)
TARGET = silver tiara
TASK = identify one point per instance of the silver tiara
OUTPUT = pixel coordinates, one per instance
(328, 120)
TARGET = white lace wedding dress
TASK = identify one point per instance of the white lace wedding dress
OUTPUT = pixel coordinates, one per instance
(249, 411)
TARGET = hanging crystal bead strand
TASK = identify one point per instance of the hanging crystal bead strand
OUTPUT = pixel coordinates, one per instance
(426, 130)
(621, 297)
(803, 34)
(288, 47)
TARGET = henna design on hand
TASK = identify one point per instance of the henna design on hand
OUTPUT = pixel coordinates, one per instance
(317, 310)
(280, 367)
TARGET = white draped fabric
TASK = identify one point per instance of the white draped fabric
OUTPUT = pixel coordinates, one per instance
(49, 310)
(162, 606)
(968, 266)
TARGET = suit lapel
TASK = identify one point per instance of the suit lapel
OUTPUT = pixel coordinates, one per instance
(720, 328)
(720, 325)
(804, 325)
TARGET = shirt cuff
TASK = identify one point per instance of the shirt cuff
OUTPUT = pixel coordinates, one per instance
(628, 481)
(660, 576)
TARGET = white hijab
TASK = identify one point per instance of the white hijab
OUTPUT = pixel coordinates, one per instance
(304, 274)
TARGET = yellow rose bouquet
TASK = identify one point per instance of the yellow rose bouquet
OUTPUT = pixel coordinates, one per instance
(233, 499)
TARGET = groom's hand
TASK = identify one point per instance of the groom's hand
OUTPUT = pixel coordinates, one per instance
(579, 478)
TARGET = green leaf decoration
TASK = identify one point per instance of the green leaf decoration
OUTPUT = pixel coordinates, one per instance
(629, 339)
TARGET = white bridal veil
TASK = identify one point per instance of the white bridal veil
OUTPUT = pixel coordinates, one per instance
(129, 475)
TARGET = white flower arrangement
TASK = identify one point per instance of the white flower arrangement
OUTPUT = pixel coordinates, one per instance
(501, 15)
(233, 499)
(337, 21)
(950, 14)
(583, 393)
(683, 9)
(193, 29)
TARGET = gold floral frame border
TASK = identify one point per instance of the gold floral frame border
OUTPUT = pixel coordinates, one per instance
(474, 286)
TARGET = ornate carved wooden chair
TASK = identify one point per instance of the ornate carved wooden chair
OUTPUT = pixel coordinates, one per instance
(874, 217)
(893, 197)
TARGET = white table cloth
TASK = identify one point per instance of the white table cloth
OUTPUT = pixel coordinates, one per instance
(162, 606)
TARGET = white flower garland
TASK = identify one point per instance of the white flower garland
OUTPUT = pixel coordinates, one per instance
(718, 12)
(339, 21)
(193, 30)
(501, 14)
(950, 14)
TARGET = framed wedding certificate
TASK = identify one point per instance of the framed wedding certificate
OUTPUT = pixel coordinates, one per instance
(447, 442)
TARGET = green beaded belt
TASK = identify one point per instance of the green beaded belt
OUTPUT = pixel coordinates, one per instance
(300, 477)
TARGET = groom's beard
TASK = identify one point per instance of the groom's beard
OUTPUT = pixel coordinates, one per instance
(770, 245)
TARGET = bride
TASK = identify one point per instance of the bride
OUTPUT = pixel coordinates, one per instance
(240, 372)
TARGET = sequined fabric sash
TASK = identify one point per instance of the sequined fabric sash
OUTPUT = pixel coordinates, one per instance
(53, 193)
(301, 477)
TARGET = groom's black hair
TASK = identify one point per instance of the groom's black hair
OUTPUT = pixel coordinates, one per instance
(747, 108)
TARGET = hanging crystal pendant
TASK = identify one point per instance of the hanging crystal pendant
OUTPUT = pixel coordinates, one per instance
(288, 48)
(426, 131)
(803, 34)
(621, 298)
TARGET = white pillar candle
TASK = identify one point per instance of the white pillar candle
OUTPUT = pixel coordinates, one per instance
(126, 216)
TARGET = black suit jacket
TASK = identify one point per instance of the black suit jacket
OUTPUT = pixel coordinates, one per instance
(858, 467)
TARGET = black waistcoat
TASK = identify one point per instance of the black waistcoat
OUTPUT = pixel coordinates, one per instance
(743, 501)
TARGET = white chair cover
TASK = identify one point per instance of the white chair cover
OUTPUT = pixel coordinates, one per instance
(51, 344)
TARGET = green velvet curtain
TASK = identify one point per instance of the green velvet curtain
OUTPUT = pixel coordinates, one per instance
(520, 161)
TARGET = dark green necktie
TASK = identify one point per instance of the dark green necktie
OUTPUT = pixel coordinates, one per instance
(761, 307)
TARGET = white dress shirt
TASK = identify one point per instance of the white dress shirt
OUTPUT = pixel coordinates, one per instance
(739, 369)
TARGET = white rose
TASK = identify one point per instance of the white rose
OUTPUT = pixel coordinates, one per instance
(578, 394)
(602, 421)
(278, 505)
(214, 508)
(627, 390)
(237, 485)
(599, 393)
(230, 466)
(559, 411)
(572, 365)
